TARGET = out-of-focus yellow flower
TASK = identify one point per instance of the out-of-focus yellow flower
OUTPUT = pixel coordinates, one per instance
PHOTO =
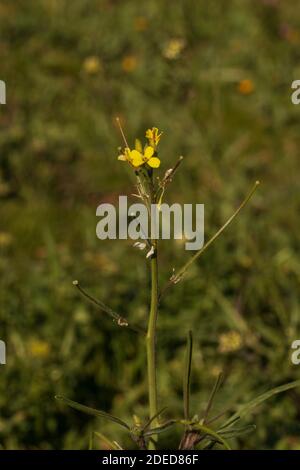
(92, 65)
(173, 48)
(246, 86)
(230, 342)
(129, 63)
(137, 159)
(38, 348)
(140, 23)
(5, 239)
(153, 136)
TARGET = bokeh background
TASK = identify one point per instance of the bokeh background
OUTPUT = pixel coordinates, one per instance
(216, 78)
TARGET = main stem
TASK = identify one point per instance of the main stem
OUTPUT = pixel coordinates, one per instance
(151, 332)
(151, 343)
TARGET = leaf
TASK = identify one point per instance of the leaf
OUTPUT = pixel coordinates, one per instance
(194, 426)
(244, 409)
(187, 375)
(162, 428)
(210, 432)
(153, 418)
(236, 432)
(214, 391)
(92, 411)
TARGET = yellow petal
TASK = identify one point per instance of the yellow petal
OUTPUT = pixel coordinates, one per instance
(122, 158)
(149, 152)
(149, 134)
(136, 158)
(154, 162)
(138, 145)
(153, 136)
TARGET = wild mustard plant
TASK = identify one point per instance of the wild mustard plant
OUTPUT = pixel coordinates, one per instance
(197, 430)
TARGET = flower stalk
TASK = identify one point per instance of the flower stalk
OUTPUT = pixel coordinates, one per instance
(151, 343)
(144, 160)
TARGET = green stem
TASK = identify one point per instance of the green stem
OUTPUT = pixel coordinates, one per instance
(151, 331)
(151, 344)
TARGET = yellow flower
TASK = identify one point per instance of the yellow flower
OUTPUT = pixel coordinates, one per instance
(230, 342)
(129, 63)
(136, 158)
(246, 87)
(173, 48)
(153, 136)
(38, 348)
(5, 239)
(92, 65)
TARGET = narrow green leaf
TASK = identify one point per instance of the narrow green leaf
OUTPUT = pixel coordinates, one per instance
(164, 427)
(153, 418)
(194, 426)
(244, 409)
(236, 432)
(92, 411)
(187, 375)
(214, 391)
(210, 432)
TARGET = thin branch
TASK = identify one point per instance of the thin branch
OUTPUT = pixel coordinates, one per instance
(168, 177)
(118, 319)
(175, 278)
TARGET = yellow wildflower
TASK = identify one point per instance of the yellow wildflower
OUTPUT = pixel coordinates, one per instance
(129, 63)
(38, 348)
(246, 87)
(5, 239)
(230, 342)
(92, 65)
(153, 136)
(173, 48)
(137, 159)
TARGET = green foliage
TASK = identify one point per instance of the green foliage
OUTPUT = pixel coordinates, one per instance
(215, 77)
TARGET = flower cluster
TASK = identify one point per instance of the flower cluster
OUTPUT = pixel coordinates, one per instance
(140, 156)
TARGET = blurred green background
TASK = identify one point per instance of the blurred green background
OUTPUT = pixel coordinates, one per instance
(216, 78)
